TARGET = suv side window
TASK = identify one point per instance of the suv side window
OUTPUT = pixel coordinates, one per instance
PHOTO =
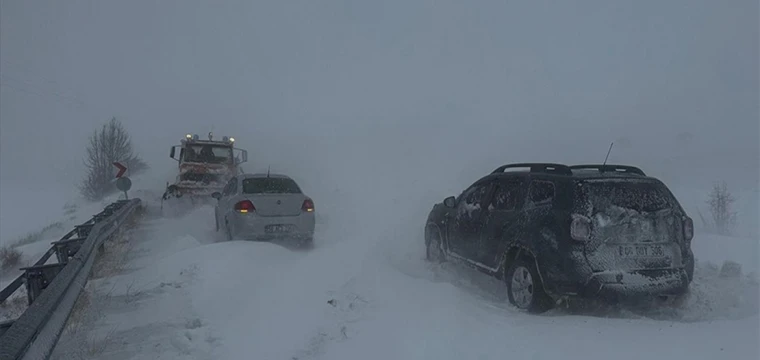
(472, 198)
(541, 192)
(507, 195)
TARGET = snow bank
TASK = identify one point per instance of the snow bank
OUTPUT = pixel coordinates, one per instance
(436, 321)
(145, 309)
(399, 307)
(718, 249)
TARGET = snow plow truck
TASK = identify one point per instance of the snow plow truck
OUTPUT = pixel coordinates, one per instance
(205, 166)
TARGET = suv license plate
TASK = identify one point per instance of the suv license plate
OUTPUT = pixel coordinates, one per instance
(641, 251)
(273, 229)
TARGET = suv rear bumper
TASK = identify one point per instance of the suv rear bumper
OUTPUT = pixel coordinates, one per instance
(624, 284)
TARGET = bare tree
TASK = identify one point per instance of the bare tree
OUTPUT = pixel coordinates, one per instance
(109, 144)
(721, 203)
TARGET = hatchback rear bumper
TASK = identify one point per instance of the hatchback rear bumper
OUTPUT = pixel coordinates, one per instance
(252, 226)
(626, 284)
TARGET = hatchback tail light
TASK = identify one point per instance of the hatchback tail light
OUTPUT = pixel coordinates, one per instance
(580, 228)
(688, 229)
(245, 206)
(308, 205)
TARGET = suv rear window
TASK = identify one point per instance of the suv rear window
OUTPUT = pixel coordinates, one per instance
(270, 186)
(641, 196)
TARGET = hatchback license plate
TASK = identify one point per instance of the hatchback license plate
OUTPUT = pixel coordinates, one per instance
(641, 251)
(273, 229)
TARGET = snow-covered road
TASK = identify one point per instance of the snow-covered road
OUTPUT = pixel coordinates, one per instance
(365, 292)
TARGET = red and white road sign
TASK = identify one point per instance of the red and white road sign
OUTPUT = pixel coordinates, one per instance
(121, 168)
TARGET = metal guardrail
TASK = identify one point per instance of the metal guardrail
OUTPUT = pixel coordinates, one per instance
(52, 289)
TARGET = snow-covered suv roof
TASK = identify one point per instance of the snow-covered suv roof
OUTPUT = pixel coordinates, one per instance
(583, 171)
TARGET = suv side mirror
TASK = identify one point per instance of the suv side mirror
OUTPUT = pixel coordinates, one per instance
(450, 202)
(216, 195)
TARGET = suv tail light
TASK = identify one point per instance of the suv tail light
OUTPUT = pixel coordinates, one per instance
(308, 205)
(688, 229)
(245, 206)
(580, 228)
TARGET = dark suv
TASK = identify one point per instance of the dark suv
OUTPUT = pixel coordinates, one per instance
(553, 231)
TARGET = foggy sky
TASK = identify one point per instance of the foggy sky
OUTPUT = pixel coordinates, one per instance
(363, 91)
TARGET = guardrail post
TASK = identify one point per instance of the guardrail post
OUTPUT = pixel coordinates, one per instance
(38, 277)
(83, 230)
(4, 325)
(109, 210)
(64, 249)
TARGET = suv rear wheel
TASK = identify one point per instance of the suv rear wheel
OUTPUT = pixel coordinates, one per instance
(524, 287)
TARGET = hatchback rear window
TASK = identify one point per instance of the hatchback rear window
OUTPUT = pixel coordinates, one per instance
(270, 186)
(641, 196)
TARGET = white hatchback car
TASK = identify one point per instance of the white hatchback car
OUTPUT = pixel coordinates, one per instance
(264, 207)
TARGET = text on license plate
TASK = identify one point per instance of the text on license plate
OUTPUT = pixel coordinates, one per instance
(277, 228)
(641, 251)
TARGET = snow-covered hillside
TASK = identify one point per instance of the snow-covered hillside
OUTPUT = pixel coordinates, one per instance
(365, 292)
(31, 219)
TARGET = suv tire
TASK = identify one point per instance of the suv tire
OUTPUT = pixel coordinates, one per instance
(434, 249)
(524, 287)
(690, 268)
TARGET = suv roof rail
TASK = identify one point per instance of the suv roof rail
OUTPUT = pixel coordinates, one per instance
(610, 168)
(548, 168)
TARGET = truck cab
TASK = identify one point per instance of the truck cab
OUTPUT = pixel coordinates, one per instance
(205, 166)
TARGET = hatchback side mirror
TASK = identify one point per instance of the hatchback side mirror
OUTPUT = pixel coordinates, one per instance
(450, 202)
(216, 195)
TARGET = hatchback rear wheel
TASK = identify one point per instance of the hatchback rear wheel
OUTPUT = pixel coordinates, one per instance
(228, 230)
